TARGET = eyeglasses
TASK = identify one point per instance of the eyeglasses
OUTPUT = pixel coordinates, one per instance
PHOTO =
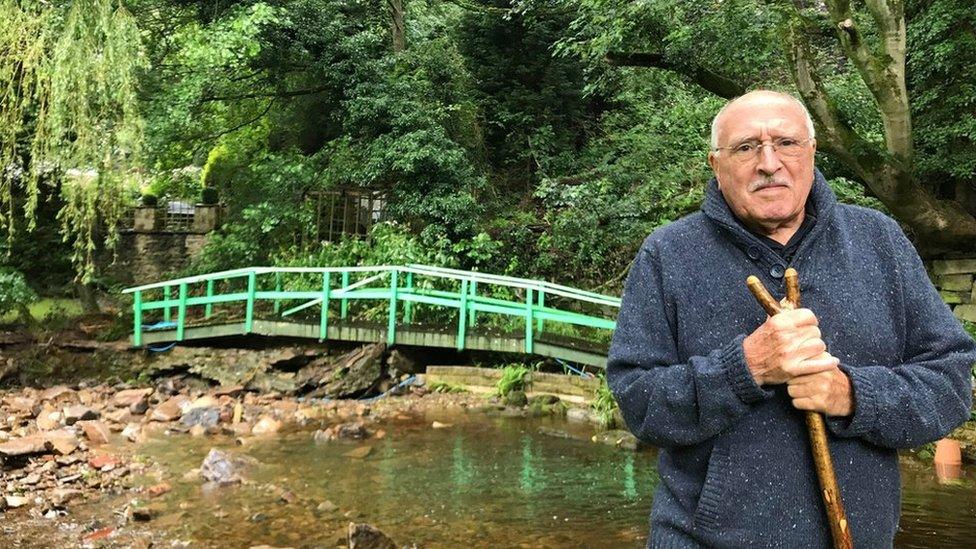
(785, 147)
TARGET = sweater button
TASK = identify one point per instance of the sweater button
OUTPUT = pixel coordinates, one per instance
(776, 271)
(753, 252)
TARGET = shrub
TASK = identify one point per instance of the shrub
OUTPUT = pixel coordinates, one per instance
(209, 196)
(15, 294)
(604, 403)
(513, 379)
(149, 200)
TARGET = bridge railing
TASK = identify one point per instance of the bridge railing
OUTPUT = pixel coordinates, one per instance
(398, 287)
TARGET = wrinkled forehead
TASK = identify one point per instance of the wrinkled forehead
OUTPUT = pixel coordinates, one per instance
(760, 118)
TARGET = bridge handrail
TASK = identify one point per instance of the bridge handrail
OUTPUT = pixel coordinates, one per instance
(468, 300)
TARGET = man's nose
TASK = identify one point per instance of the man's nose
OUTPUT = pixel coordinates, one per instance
(769, 162)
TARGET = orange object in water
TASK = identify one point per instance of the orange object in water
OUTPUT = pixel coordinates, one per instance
(948, 460)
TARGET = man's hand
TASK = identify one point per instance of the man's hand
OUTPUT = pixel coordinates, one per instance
(786, 346)
(828, 392)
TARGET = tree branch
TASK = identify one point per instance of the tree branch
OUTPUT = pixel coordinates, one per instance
(718, 84)
(259, 95)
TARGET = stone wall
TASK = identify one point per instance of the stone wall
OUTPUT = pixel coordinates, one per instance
(144, 258)
(955, 280)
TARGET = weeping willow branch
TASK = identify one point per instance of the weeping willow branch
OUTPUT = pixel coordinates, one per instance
(68, 106)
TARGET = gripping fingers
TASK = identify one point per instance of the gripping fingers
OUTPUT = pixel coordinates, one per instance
(811, 366)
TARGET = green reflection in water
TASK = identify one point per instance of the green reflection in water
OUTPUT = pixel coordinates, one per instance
(462, 471)
(530, 479)
(630, 483)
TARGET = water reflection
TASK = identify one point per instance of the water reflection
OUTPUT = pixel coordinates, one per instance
(482, 482)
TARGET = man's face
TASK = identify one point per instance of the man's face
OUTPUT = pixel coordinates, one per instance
(771, 189)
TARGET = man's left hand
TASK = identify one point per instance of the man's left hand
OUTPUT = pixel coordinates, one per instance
(827, 392)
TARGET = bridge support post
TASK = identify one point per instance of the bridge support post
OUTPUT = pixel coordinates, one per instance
(462, 315)
(473, 287)
(391, 325)
(137, 319)
(181, 313)
(208, 308)
(528, 320)
(277, 302)
(408, 305)
(249, 311)
(542, 303)
(344, 304)
(324, 318)
(166, 309)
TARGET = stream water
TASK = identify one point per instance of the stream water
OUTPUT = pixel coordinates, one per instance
(482, 482)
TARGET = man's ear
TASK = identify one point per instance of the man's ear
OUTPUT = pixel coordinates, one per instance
(712, 161)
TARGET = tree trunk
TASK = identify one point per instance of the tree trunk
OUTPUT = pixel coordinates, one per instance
(398, 28)
(86, 294)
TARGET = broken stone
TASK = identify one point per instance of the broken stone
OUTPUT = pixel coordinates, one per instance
(132, 432)
(366, 536)
(170, 410)
(327, 507)
(159, 489)
(103, 461)
(78, 412)
(96, 431)
(55, 393)
(31, 479)
(145, 513)
(139, 407)
(201, 416)
(61, 496)
(22, 404)
(34, 444)
(48, 419)
(128, 397)
(63, 442)
(13, 502)
(266, 426)
(359, 453)
(218, 467)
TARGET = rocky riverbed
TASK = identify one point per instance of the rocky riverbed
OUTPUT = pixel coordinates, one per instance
(64, 447)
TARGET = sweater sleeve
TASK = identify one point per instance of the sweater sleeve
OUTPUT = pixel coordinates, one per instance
(663, 401)
(927, 394)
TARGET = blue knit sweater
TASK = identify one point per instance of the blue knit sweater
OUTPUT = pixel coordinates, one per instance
(734, 459)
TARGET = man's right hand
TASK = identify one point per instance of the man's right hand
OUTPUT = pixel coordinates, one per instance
(787, 345)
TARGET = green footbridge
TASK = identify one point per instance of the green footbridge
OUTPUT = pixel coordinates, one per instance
(414, 305)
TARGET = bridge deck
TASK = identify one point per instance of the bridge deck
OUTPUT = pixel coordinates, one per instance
(548, 345)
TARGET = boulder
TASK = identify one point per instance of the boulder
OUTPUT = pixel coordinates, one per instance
(57, 393)
(204, 417)
(366, 536)
(33, 444)
(96, 431)
(266, 426)
(171, 410)
(219, 467)
(78, 412)
(128, 397)
(63, 442)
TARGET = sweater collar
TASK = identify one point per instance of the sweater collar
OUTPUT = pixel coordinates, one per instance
(821, 199)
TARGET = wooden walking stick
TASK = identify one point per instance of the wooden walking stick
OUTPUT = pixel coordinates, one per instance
(816, 427)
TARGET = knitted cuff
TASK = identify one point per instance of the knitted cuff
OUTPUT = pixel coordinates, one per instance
(732, 360)
(865, 406)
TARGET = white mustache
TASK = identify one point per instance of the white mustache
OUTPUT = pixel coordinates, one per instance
(767, 182)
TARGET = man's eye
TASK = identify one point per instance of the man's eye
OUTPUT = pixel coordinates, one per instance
(743, 148)
(788, 142)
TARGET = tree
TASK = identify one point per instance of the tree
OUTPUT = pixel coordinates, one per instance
(68, 117)
(889, 84)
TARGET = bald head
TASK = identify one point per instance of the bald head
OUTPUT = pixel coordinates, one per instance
(757, 100)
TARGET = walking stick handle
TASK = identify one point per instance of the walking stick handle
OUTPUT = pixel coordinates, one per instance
(816, 427)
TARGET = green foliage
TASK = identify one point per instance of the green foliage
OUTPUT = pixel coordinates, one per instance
(445, 387)
(209, 196)
(15, 294)
(71, 114)
(513, 379)
(149, 200)
(604, 403)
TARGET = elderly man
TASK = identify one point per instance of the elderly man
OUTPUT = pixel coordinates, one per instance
(702, 373)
